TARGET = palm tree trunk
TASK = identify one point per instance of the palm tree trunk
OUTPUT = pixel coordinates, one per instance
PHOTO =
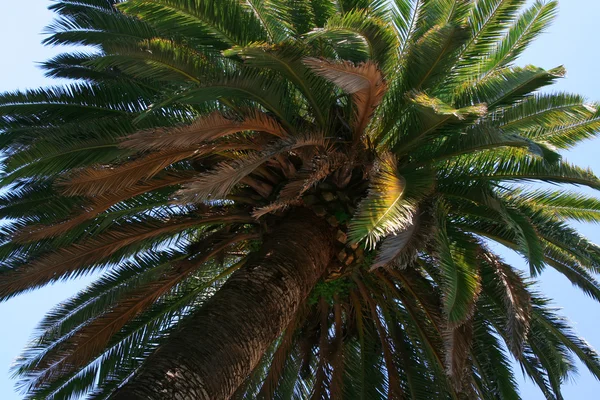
(212, 354)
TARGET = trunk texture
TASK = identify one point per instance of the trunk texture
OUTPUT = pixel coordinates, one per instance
(212, 354)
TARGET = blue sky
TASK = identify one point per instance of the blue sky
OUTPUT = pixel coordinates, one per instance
(571, 41)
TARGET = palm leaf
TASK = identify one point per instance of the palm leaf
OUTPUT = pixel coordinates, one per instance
(78, 258)
(203, 130)
(216, 184)
(222, 24)
(512, 291)
(100, 180)
(364, 82)
(529, 25)
(461, 278)
(98, 205)
(385, 210)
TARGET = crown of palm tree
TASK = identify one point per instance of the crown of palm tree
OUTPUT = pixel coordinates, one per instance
(194, 127)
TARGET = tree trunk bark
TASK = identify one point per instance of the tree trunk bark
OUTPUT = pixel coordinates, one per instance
(214, 351)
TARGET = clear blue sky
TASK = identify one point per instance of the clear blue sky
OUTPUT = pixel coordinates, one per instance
(571, 41)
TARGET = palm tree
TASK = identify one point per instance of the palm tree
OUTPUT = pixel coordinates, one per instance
(296, 199)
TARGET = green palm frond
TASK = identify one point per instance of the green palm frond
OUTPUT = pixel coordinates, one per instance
(287, 60)
(87, 24)
(567, 135)
(517, 168)
(507, 86)
(529, 25)
(560, 204)
(220, 24)
(390, 206)
(488, 21)
(544, 110)
(373, 32)
(460, 275)
(432, 57)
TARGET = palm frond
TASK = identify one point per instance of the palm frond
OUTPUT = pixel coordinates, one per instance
(101, 180)
(222, 24)
(560, 204)
(287, 60)
(82, 257)
(203, 130)
(98, 205)
(216, 184)
(504, 283)
(385, 210)
(461, 277)
(432, 57)
(488, 20)
(506, 86)
(364, 82)
(458, 348)
(529, 25)
(518, 168)
(355, 36)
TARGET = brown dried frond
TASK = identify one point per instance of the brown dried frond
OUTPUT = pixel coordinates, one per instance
(275, 207)
(68, 260)
(262, 188)
(98, 205)
(99, 180)
(363, 81)
(459, 341)
(319, 169)
(286, 166)
(204, 129)
(219, 182)
(322, 167)
(89, 340)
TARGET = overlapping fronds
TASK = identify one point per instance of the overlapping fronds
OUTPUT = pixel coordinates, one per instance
(79, 257)
(194, 128)
(363, 81)
(224, 23)
(216, 184)
(461, 281)
(355, 36)
(85, 342)
(98, 205)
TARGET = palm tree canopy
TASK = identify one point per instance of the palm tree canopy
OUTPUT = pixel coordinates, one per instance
(191, 128)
